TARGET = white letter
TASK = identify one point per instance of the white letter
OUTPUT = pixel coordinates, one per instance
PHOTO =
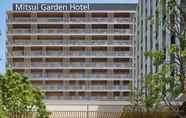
(19, 7)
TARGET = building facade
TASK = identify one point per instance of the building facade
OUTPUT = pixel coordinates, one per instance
(85, 52)
(151, 35)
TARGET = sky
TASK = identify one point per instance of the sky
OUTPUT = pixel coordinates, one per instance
(7, 5)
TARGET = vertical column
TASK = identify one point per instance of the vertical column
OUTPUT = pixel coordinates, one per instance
(88, 72)
(44, 65)
(10, 53)
(88, 18)
(67, 18)
(11, 19)
(34, 28)
(44, 80)
(110, 88)
(66, 84)
(10, 38)
(133, 51)
(110, 48)
(77, 83)
(110, 61)
(34, 37)
(65, 51)
(110, 27)
(131, 87)
(10, 50)
(27, 61)
(121, 84)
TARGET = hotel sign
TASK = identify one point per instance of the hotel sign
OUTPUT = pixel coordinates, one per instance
(50, 7)
(57, 7)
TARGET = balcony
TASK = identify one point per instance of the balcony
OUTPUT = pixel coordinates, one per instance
(57, 76)
(58, 87)
(125, 98)
(89, 53)
(45, 20)
(109, 98)
(53, 42)
(73, 54)
(97, 88)
(58, 31)
(54, 87)
(84, 64)
(79, 65)
(91, 31)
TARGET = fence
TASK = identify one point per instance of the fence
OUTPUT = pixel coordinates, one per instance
(96, 114)
(70, 114)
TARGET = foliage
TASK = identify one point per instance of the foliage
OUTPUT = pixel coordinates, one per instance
(3, 113)
(18, 96)
(167, 83)
(142, 107)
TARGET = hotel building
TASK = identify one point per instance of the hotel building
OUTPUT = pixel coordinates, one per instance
(81, 53)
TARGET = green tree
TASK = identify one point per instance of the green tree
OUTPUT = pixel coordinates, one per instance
(19, 97)
(167, 84)
(3, 113)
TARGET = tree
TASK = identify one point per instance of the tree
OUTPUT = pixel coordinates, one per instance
(3, 113)
(167, 84)
(19, 97)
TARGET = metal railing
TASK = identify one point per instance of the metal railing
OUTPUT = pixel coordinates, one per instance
(126, 98)
(58, 76)
(73, 53)
(96, 87)
(71, 64)
(70, 19)
(70, 31)
(58, 87)
(71, 42)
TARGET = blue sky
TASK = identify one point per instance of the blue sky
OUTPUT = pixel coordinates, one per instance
(7, 5)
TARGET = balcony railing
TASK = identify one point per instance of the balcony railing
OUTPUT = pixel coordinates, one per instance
(70, 31)
(57, 76)
(74, 53)
(125, 98)
(71, 42)
(71, 64)
(61, 19)
(97, 87)
(57, 87)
